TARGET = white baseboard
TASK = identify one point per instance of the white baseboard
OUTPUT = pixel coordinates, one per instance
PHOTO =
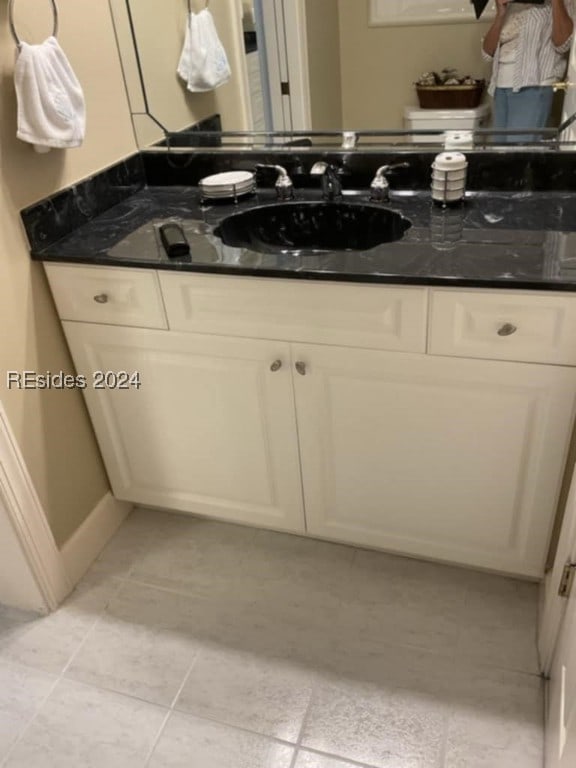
(84, 546)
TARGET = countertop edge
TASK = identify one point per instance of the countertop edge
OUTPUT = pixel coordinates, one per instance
(513, 284)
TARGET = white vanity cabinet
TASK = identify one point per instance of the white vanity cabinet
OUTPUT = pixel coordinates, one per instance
(459, 460)
(349, 412)
(211, 429)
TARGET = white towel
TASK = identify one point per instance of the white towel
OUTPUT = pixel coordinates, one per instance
(51, 106)
(203, 63)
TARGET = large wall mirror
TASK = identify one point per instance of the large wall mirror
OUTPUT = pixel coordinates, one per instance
(301, 65)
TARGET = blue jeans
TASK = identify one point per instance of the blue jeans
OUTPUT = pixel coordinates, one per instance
(526, 108)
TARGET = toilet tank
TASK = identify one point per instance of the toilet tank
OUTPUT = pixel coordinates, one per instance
(416, 119)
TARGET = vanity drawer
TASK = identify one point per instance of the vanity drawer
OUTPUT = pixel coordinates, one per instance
(112, 296)
(499, 325)
(370, 316)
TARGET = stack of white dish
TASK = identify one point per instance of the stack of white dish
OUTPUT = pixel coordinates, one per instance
(449, 171)
(225, 185)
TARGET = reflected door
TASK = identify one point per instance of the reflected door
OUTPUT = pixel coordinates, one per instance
(561, 720)
(284, 26)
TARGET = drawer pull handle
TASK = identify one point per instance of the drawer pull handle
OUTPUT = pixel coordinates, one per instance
(102, 298)
(301, 368)
(507, 330)
(276, 365)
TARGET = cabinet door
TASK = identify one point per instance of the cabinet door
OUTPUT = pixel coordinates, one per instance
(211, 429)
(458, 460)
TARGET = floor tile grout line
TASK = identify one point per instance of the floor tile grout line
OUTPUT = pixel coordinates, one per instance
(334, 756)
(185, 680)
(238, 728)
(29, 723)
(150, 584)
(172, 708)
(95, 623)
(303, 725)
(157, 738)
(114, 692)
(392, 646)
(444, 745)
(408, 646)
(60, 677)
(223, 598)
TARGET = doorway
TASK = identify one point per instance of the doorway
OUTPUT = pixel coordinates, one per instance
(281, 30)
(561, 715)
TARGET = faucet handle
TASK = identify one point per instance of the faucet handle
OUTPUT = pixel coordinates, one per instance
(380, 187)
(284, 186)
(319, 168)
(385, 169)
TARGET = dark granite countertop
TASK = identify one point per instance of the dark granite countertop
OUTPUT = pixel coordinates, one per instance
(516, 240)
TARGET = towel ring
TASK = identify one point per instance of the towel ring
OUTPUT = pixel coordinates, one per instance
(17, 40)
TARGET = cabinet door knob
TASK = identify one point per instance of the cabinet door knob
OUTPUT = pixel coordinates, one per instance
(507, 330)
(102, 298)
(276, 365)
(301, 368)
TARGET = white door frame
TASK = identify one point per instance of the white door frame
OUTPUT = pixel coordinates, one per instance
(553, 606)
(33, 574)
(560, 742)
(286, 50)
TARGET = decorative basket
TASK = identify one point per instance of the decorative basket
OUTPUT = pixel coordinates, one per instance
(450, 96)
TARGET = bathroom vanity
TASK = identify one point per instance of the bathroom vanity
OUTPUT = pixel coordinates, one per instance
(417, 397)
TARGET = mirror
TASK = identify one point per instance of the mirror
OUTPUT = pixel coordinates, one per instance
(309, 67)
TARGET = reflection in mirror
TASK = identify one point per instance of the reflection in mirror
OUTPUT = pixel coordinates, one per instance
(159, 97)
(306, 67)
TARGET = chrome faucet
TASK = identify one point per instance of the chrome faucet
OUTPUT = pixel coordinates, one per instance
(331, 184)
(380, 187)
(284, 186)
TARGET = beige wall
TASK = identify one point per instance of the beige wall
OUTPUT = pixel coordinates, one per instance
(323, 31)
(380, 64)
(52, 428)
(160, 28)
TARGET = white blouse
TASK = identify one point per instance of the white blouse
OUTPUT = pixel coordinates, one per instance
(509, 39)
(526, 55)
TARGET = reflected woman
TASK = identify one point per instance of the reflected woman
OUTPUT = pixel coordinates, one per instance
(528, 44)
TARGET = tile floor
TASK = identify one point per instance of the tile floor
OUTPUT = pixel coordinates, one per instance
(200, 645)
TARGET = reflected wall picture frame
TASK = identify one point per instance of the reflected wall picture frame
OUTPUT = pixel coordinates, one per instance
(409, 12)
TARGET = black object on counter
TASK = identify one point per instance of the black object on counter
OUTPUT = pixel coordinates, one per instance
(174, 241)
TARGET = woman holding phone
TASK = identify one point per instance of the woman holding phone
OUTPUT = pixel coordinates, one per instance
(528, 44)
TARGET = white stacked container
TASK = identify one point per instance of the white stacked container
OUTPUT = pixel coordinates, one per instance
(449, 172)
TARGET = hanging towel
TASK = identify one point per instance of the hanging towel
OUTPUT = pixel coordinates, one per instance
(51, 106)
(203, 63)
